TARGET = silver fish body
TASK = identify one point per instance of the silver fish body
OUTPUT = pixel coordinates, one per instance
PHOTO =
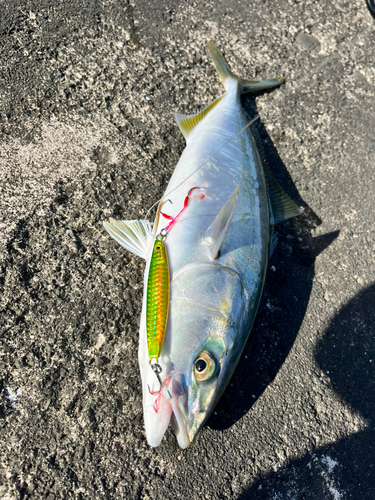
(218, 251)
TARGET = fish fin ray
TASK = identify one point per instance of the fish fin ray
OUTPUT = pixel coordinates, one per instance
(131, 234)
(225, 73)
(221, 66)
(273, 242)
(187, 123)
(217, 231)
(281, 206)
(248, 86)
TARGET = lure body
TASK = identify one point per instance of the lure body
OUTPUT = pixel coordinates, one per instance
(218, 253)
(157, 300)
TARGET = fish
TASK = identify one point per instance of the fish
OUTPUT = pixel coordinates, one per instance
(198, 311)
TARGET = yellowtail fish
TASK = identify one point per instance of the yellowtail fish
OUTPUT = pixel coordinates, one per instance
(216, 253)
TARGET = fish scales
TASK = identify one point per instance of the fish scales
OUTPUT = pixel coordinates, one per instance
(218, 251)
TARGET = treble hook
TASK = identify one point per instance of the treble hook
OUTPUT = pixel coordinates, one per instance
(157, 369)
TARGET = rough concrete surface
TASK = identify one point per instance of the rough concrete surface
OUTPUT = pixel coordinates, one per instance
(87, 95)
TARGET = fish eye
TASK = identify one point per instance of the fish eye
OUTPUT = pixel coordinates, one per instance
(157, 248)
(204, 366)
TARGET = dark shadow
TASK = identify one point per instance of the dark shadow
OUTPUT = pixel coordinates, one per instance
(285, 297)
(347, 354)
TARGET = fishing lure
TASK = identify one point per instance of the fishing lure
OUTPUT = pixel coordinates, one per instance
(157, 299)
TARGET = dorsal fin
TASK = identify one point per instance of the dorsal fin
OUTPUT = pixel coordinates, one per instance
(187, 123)
(215, 234)
(131, 234)
(281, 206)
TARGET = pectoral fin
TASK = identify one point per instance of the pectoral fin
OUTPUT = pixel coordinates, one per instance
(215, 234)
(131, 234)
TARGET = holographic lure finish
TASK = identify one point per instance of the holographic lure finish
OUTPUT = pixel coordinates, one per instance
(157, 299)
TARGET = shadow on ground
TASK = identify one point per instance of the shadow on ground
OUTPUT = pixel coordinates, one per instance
(345, 469)
(285, 298)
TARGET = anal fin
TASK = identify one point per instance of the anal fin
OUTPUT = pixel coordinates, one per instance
(281, 206)
(248, 86)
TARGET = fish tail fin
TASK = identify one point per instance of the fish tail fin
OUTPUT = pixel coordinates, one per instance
(221, 65)
(226, 74)
(258, 85)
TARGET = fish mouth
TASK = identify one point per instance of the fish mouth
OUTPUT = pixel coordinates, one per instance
(170, 406)
(186, 430)
(185, 421)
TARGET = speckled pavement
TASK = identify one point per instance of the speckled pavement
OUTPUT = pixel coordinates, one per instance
(87, 96)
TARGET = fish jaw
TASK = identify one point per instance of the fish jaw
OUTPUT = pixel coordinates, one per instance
(190, 407)
(194, 401)
(163, 404)
(157, 411)
(184, 401)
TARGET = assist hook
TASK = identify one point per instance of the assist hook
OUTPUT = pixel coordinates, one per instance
(157, 369)
(173, 219)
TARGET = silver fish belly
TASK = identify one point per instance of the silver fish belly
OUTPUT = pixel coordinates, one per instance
(218, 251)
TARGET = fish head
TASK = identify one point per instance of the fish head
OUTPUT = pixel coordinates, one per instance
(206, 332)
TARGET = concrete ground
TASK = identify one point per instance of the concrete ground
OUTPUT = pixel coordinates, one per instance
(87, 95)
